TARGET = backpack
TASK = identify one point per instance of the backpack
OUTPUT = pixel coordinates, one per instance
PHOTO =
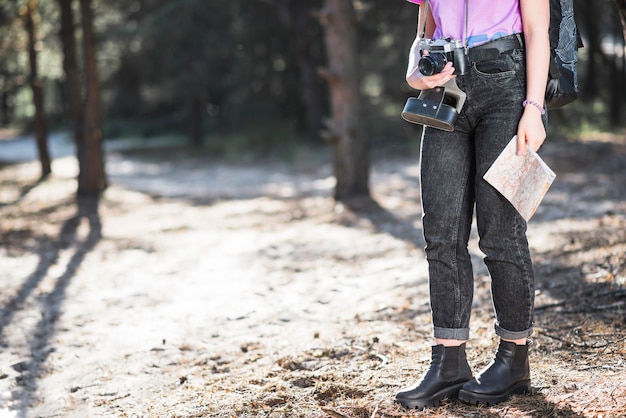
(562, 87)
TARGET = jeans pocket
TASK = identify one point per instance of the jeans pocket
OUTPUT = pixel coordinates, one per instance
(503, 66)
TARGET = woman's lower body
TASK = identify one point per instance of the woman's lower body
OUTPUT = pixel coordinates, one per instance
(453, 191)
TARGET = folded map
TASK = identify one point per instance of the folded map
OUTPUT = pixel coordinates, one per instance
(522, 179)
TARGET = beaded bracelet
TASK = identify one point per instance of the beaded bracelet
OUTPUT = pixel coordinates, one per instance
(534, 103)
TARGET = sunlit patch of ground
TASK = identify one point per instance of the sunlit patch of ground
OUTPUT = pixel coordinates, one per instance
(203, 289)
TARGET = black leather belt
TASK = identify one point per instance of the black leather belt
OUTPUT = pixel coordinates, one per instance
(490, 50)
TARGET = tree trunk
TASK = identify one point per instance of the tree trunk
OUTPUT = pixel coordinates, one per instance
(345, 131)
(41, 133)
(301, 27)
(91, 177)
(312, 94)
(621, 7)
(6, 108)
(617, 74)
(196, 129)
(70, 68)
(589, 90)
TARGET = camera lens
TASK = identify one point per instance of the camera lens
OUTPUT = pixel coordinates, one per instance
(431, 64)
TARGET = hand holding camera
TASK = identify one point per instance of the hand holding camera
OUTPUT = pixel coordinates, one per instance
(419, 81)
(439, 62)
(440, 100)
(436, 54)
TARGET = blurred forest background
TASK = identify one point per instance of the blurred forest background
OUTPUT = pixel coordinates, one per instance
(241, 78)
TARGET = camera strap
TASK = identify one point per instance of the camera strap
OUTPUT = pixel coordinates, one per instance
(466, 37)
(422, 25)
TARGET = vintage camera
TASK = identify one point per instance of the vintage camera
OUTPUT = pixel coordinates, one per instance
(438, 107)
(441, 52)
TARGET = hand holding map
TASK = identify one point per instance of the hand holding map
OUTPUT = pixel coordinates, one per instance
(522, 179)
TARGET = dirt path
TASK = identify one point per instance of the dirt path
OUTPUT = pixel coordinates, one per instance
(199, 289)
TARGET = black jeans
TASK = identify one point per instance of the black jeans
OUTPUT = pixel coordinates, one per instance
(452, 185)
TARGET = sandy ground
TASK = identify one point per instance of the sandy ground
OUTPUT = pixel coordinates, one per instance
(202, 289)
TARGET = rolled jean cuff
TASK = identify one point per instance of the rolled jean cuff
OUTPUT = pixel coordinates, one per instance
(513, 335)
(452, 333)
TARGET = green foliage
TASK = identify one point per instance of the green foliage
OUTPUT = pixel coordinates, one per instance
(221, 54)
(576, 119)
(13, 63)
(246, 70)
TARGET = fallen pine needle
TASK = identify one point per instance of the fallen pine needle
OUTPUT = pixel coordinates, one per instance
(334, 414)
(374, 413)
(384, 359)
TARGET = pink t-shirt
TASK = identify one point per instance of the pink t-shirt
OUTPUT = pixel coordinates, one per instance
(488, 19)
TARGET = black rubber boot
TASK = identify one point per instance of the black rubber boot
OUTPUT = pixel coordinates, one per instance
(448, 371)
(508, 374)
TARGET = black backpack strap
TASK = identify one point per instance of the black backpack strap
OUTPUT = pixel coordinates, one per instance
(554, 71)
